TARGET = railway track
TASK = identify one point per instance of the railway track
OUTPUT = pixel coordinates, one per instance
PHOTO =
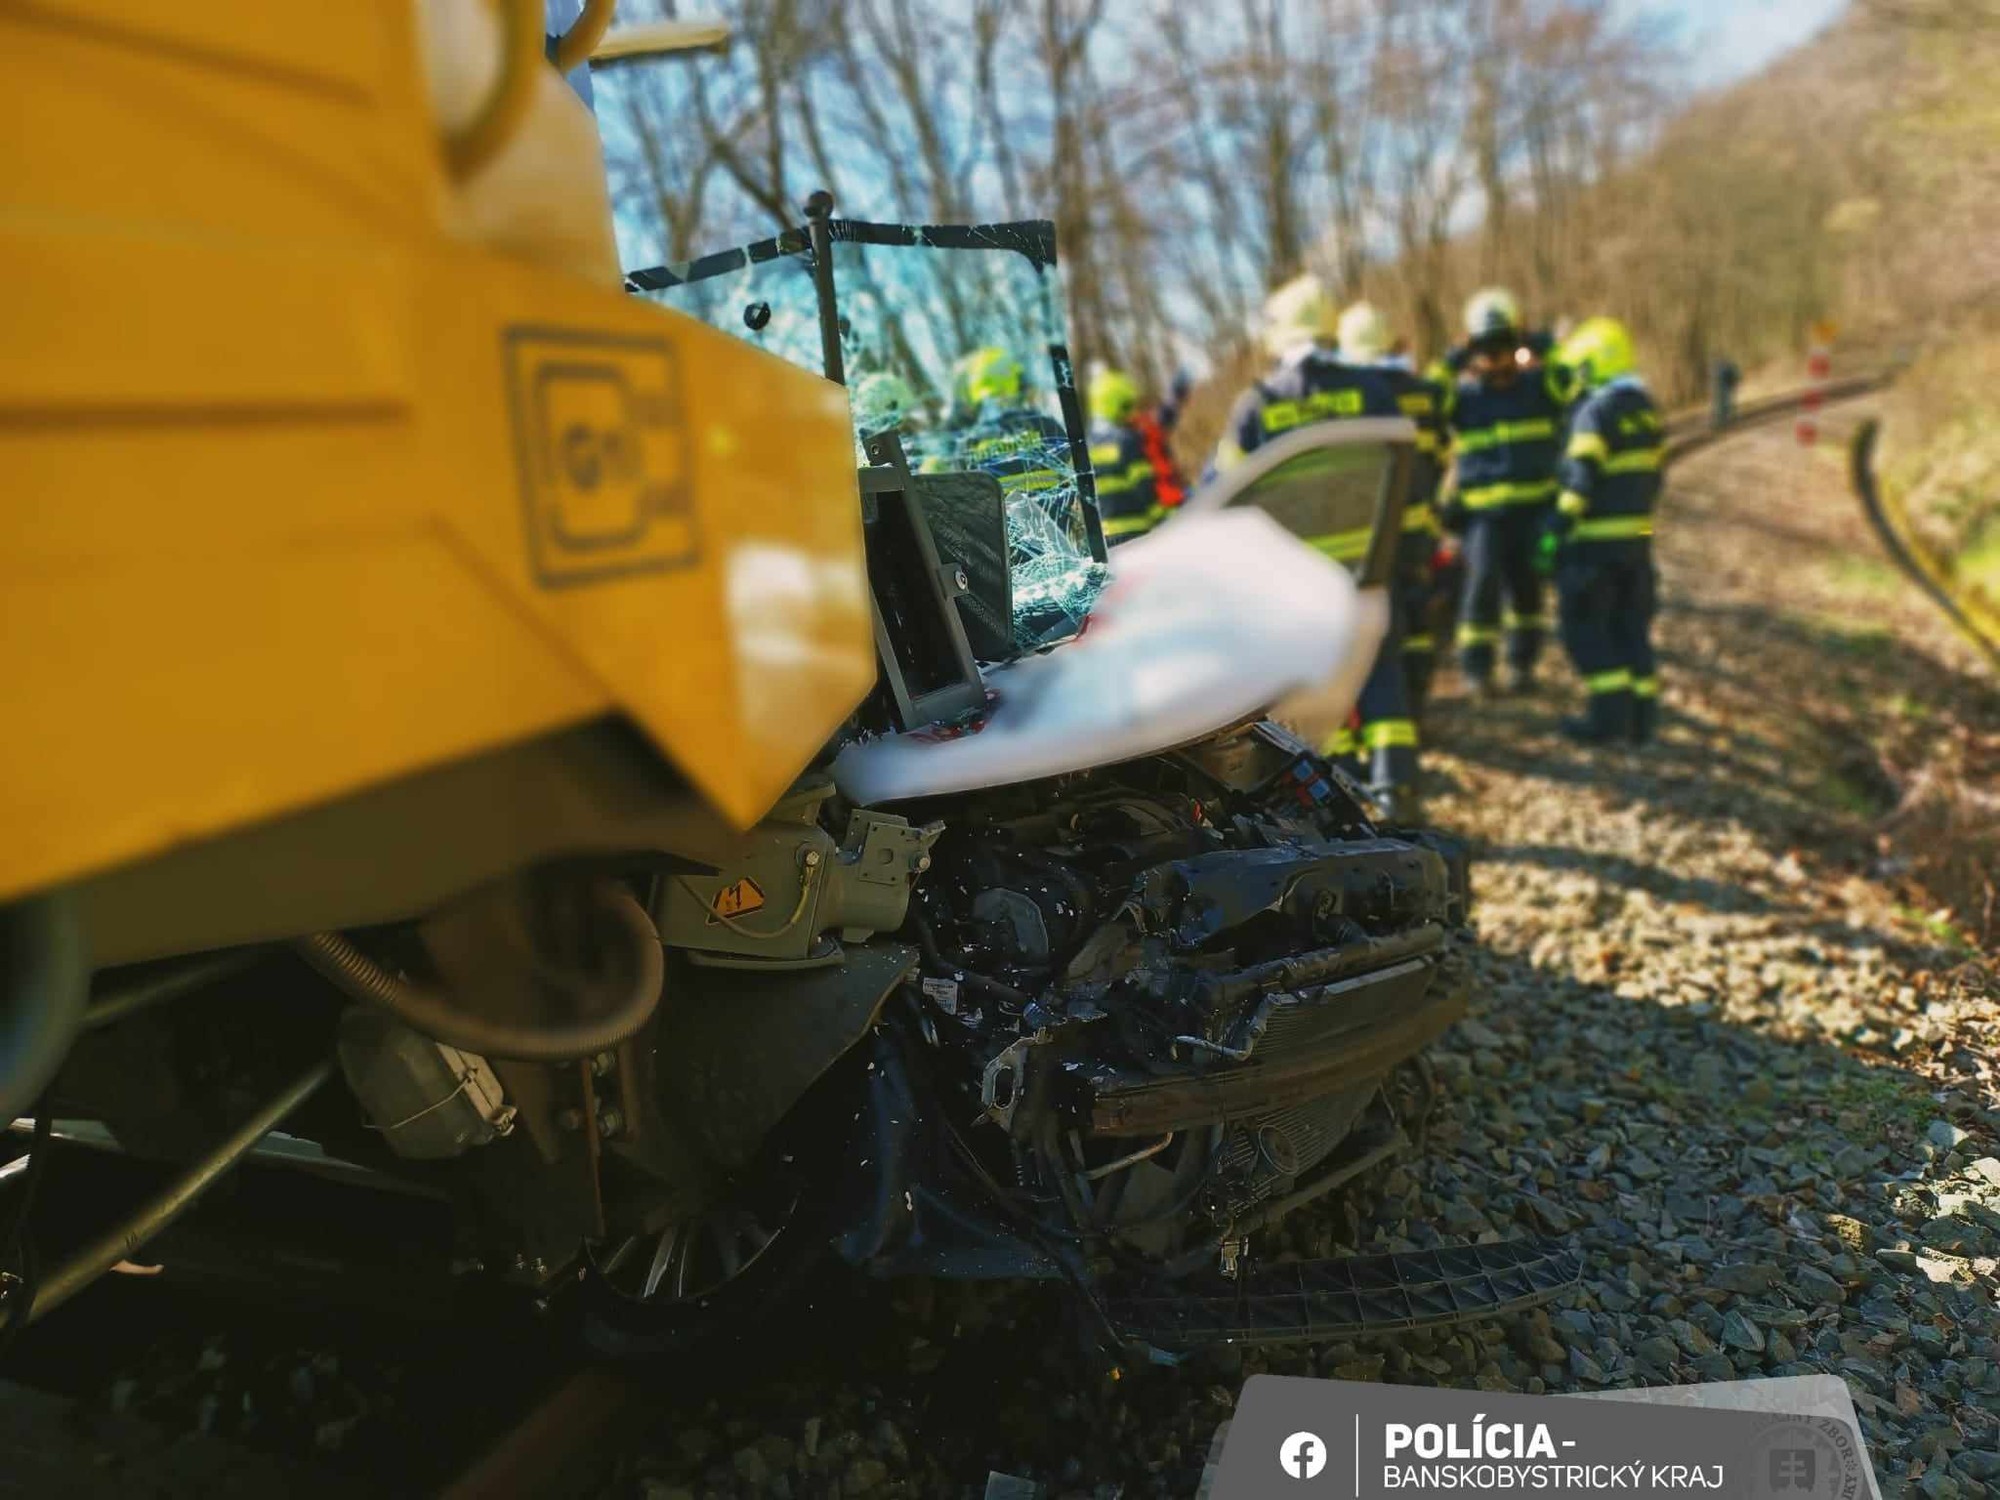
(218, 1378)
(182, 1384)
(557, 1446)
(146, 1385)
(61, 1446)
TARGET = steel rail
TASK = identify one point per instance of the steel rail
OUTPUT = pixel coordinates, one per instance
(1690, 430)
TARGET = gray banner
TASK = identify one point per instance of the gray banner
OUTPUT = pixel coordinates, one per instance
(1292, 1439)
(1792, 1395)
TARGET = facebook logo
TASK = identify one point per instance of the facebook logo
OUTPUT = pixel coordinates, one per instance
(1302, 1454)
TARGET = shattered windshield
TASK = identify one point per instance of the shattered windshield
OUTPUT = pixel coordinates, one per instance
(953, 337)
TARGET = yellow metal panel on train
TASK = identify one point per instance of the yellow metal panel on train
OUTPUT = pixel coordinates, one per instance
(174, 700)
(341, 46)
(249, 326)
(302, 495)
(114, 127)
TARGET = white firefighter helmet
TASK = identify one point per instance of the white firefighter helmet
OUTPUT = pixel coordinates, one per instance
(1298, 313)
(1492, 310)
(1364, 333)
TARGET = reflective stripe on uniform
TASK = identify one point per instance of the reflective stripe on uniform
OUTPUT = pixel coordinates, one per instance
(1129, 525)
(1513, 621)
(1612, 528)
(1418, 518)
(1341, 742)
(1033, 479)
(1118, 481)
(1283, 416)
(1515, 492)
(1529, 431)
(1586, 445)
(1386, 732)
(1609, 682)
(1638, 461)
(1477, 635)
(1570, 503)
(1342, 546)
(1423, 643)
(1646, 687)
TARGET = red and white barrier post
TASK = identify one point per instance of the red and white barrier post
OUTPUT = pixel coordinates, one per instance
(1819, 366)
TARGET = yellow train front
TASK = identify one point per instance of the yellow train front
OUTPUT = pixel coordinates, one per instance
(369, 560)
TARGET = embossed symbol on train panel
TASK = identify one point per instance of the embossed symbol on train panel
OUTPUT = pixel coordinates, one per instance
(604, 455)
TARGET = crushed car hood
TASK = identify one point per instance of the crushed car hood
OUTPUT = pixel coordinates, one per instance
(1204, 623)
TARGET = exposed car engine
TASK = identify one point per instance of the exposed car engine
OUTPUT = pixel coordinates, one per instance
(1165, 993)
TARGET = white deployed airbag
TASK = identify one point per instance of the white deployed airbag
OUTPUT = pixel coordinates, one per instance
(1205, 623)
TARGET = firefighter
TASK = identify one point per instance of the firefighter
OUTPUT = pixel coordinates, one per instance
(1364, 340)
(1506, 415)
(1309, 383)
(1603, 521)
(1137, 485)
(996, 428)
(883, 402)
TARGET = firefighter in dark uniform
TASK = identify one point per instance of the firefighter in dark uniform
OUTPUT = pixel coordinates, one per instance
(995, 427)
(1310, 384)
(1604, 523)
(1364, 340)
(1136, 485)
(1506, 422)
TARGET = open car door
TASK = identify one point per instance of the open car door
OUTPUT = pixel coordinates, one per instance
(1340, 487)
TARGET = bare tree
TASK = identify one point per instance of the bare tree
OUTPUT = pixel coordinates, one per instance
(1191, 157)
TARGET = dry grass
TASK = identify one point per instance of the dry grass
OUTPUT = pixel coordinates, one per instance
(1943, 432)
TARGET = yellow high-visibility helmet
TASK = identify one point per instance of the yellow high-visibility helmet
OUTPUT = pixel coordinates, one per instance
(989, 374)
(1599, 350)
(1300, 312)
(1114, 396)
(882, 400)
(1364, 332)
(1492, 310)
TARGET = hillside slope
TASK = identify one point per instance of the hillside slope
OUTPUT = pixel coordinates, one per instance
(1854, 180)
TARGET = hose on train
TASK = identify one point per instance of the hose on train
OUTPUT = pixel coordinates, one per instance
(441, 1016)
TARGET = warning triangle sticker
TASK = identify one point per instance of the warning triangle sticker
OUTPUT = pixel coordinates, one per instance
(737, 899)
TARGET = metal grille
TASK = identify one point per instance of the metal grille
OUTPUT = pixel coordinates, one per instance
(1268, 1152)
(1305, 1301)
(1309, 1020)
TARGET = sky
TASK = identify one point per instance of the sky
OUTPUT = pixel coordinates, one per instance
(1730, 38)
